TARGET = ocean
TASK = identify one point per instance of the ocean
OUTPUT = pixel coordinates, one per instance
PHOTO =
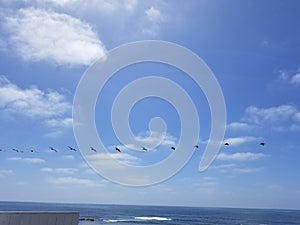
(167, 215)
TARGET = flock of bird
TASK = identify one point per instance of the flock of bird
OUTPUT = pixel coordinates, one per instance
(173, 148)
(116, 148)
(35, 151)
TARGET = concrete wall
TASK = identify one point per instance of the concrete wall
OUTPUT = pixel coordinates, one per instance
(39, 218)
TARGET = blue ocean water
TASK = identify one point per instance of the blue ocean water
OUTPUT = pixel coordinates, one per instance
(147, 215)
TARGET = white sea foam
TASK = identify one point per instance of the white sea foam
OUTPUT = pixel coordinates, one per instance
(116, 221)
(151, 218)
(138, 218)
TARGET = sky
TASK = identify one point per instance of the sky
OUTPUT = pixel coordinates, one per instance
(252, 47)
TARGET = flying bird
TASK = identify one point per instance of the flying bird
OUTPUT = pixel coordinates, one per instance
(262, 143)
(72, 149)
(52, 149)
(117, 149)
(145, 149)
(93, 149)
(226, 144)
(33, 151)
(196, 146)
(1, 150)
(17, 150)
(173, 148)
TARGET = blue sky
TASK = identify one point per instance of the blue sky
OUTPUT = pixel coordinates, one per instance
(251, 46)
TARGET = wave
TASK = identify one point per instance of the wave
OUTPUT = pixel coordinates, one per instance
(116, 221)
(138, 218)
(152, 218)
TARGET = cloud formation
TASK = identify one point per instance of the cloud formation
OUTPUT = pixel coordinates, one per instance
(240, 156)
(284, 117)
(44, 35)
(280, 118)
(5, 173)
(71, 181)
(59, 122)
(34, 103)
(231, 167)
(103, 158)
(239, 126)
(59, 170)
(295, 79)
(27, 160)
(236, 141)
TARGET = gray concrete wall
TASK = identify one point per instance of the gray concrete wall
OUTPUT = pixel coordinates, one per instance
(39, 218)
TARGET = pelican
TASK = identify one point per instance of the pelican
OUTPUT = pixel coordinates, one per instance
(117, 149)
(93, 149)
(52, 149)
(72, 149)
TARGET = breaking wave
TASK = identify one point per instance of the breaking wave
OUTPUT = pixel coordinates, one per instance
(138, 218)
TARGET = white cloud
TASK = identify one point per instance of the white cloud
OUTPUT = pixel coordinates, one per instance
(31, 102)
(295, 79)
(225, 168)
(61, 3)
(269, 115)
(68, 157)
(279, 118)
(222, 167)
(62, 181)
(5, 173)
(236, 141)
(284, 117)
(59, 122)
(59, 170)
(206, 185)
(151, 26)
(240, 156)
(101, 158)
(130, 5)
(283, 75)
(238, 126)
(297, 116)
(154, 14)
(249, 169)
(101, 6)
(39, 34)
(27, 160)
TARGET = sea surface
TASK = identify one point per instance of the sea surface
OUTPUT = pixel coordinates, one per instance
(147, 215)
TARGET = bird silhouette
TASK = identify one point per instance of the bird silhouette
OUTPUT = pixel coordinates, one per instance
(173, 148)
(52, 149)
(93, 149)
(117, 149)
(1, 150)
(17, 150)
(262, 143)
(145, 149)
(72, 149)
(33, 151)
(196, 146)
(227, 144)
